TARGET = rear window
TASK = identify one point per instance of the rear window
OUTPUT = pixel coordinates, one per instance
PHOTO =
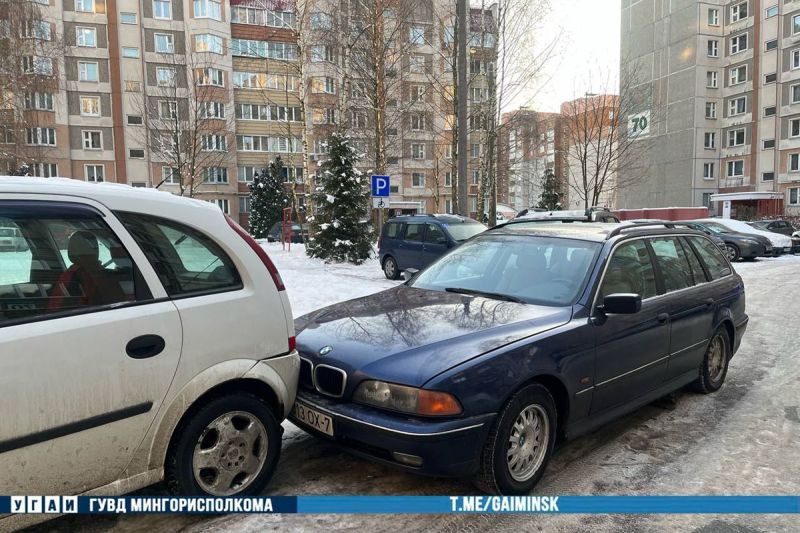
(187, 261)
(716, 265)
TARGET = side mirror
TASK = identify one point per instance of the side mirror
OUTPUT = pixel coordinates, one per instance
(441, 240)
(621, 304)
(409, 273)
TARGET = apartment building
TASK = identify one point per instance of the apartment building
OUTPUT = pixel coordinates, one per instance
(724, 81)
(144, 92)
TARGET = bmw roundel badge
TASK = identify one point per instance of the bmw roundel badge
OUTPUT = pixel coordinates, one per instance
(325, 350)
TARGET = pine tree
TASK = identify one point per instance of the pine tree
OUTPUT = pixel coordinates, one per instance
(550, 198)
(341, 228)
(268, 197)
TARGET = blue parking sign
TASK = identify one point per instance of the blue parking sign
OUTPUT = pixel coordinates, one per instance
(380, 186)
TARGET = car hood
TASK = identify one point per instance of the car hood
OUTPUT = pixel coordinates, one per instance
(408, 335)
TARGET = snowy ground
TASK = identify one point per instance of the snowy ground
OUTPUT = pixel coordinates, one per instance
(743, 440)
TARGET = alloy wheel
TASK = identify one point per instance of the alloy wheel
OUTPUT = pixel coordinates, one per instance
(230, 453)
(732, 253)
(528, 442)
(389, 268)
(716, 359)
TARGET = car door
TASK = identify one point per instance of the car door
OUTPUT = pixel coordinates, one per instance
(409, 251)
(88, 347)
(435, 244)
(632, 349)
(691, 303)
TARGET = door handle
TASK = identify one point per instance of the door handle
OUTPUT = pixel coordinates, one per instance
(145, 346)
(709, 302)
(663, 317)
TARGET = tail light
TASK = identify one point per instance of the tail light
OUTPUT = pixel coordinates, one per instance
(292, 344)
(380, 240)
(276, 277)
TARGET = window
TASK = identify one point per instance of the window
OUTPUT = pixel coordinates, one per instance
(448, 151)
(323, 85)
(84, 5)
(87, 71)
(708, 171)
(629, 271)
(736, 137)
(244, 204)
(735, 169)
(771, 45)
(39, 101)
(713, 48)
(769, 144)
(711, 110)
(207, 9)
(767, 176)
(796, 59)
(416, 63)
(98, 271)
(90, 106)
(135, 120)
(794, 195)
(434, 235)
(37, 65)
(795, 90)
(417, 151)
(321, 52)
(739, 12)
(186, 260)
(208, 43)
(321, 21)
(165, 43)
(165, 76)
(210, 76)
(771, 11)
(794, 127)
(40, 136)
(713, 17)
(737, 106)
(162, 9)
(416, 35)
(448, 206)
(133, 86)
(94, 173)
(130, 52)
(473, 204)
(795, 24)
(245, 174)
(673, 263)
(448, 179)
(770, 78)
(44, 170)
(710, 140)
(738, 75)
(214, 143)
(711, 256)
(128, 18)
(92, 140)
(738, 43)
(169, 175)
(475, 150)
(417, 93)
(711, 79)
(474, 176)
(770, 111)
(417, 122)
(86, 37)
(136, 153)
(358, 119)
(210, 110)
(324, 115)
(418, 180)
(414, 232)
(222, 203)
(215, 174)
(167, 109)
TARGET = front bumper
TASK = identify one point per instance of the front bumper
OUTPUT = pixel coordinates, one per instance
(448, 448)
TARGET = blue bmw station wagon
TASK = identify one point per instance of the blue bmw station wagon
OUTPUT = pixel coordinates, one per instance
(523, 335)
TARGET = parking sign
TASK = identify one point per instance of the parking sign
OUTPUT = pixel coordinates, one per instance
(380, 186)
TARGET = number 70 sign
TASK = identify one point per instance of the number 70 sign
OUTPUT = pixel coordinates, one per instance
(639, 125)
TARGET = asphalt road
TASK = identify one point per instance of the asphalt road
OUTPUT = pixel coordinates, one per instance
(743, 440)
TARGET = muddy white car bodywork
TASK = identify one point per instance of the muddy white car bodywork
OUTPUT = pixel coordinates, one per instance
(80, 416)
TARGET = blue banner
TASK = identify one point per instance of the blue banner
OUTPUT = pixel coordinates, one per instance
(401, 504)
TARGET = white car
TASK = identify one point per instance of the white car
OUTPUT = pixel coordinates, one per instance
(11, 239)
(143, 337)
(780, 243)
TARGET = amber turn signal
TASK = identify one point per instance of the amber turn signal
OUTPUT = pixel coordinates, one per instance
(437, 404)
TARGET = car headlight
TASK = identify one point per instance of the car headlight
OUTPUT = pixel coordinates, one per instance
(750, 241)
(407, 399)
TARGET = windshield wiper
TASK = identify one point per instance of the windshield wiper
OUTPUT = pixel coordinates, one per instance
(492, 295)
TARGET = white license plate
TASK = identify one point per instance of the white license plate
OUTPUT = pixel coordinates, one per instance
(787, 250)
(313, 418)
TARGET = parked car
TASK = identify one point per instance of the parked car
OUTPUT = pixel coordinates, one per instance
(299, 232)
(415, 241)
(520, 336)
(778, 226)
(134, 345)
(593, 214)
(11, 239)
(719, 242)
(796, 242)
(747, 246)
(780, 243)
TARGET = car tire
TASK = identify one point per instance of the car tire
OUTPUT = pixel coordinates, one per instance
(390, 269)
(732, 251)
(495, 471)
(749, 259)
(254, 439)
(714, 367)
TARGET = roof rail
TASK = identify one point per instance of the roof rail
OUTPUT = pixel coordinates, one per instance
(622, 227)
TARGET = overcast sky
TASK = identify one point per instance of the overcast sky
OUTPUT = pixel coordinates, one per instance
(588, 52)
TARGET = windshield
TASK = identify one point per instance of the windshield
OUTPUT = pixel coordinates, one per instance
(462, 232)
(532, 269)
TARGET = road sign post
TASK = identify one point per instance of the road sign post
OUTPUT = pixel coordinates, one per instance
(380, 191)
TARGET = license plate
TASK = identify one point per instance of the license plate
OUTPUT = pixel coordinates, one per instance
(313, 418)
(787, 250)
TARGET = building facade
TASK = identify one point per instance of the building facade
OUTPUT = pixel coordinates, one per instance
(724, 81)
(149, 92)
